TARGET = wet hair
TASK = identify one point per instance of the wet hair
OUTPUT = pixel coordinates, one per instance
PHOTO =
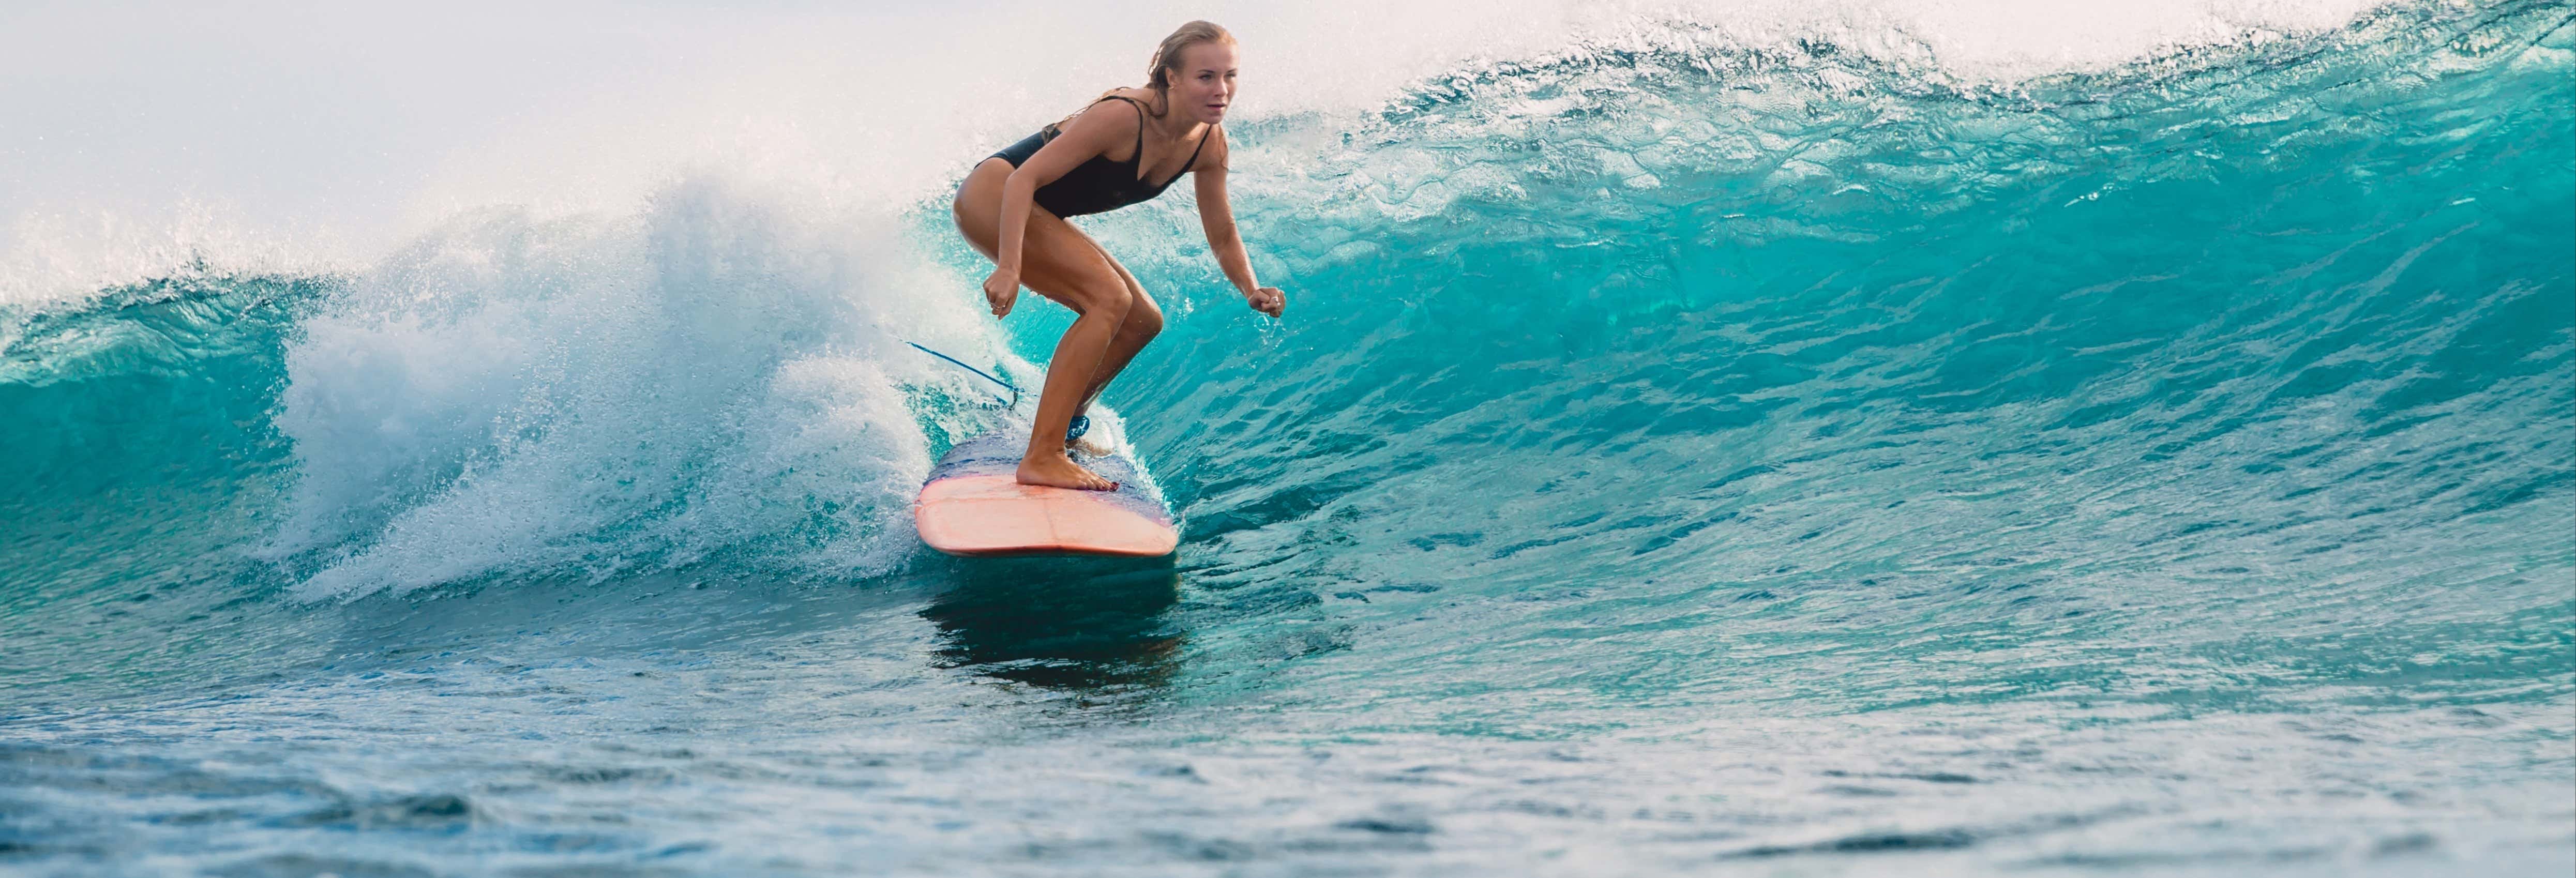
(1167, 58)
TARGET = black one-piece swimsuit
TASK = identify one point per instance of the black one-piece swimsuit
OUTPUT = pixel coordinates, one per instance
(1099, 184)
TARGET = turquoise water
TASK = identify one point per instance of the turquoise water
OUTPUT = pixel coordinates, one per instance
(1684, 456)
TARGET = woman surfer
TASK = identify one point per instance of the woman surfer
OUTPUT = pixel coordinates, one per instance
(1126, 147)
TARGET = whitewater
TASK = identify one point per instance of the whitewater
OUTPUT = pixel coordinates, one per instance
(1762, 438)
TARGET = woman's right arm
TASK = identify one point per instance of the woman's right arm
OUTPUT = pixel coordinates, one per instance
(1086, 135)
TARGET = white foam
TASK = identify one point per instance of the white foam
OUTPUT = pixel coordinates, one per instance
(720, 372)
(52, 258)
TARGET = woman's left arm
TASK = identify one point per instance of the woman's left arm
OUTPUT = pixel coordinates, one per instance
(1217, 217)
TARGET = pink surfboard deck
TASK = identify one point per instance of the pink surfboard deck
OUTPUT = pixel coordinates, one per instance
(974, 505)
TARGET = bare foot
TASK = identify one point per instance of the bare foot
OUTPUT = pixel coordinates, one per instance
(1059, 471)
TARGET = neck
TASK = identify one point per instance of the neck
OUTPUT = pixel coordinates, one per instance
(1170, 124)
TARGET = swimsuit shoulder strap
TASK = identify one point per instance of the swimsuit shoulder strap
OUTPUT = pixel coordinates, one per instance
(1140, 127)
(1194, 153)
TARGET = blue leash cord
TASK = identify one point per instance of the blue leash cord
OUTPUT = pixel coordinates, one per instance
(1080, 425)
(1015, 391)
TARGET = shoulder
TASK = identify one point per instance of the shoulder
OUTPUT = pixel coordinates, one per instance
(1106, 117)
(1216, 149)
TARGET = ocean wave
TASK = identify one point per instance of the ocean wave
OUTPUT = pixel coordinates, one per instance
(1642, 301)
(1951, 466)
(1830, 331)
(704, 380)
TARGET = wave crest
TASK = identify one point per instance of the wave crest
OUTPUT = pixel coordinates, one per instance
(709, 378)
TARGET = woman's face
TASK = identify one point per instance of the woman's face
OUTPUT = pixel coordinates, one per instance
(1204, 83)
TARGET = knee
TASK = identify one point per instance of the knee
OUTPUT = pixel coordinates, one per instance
(1144, 319)
(1109, 303)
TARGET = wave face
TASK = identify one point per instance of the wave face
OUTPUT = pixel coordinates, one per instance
(1785, 402)
(2230, 342)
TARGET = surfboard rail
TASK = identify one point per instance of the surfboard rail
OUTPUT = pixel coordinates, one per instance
(973, 505)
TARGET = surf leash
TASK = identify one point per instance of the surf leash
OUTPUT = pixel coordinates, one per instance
(1014, 389)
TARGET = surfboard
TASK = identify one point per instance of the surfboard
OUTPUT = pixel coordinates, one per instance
(974, 505)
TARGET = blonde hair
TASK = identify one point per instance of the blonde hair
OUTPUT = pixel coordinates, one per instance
(1167, 58)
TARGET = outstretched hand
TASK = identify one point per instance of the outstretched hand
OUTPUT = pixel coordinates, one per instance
(1267, 300)
(1002, 290)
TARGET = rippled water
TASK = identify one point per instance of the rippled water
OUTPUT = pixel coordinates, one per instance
(1681, 455)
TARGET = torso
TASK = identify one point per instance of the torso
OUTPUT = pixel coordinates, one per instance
(1110, 181)
(1170, 155)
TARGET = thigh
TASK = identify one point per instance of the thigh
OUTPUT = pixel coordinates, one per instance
(1140, 305)
(1056, 259)
(978, 206)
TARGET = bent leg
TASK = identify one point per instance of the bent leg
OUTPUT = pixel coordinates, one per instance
(1144, 321)
(1058, 262)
